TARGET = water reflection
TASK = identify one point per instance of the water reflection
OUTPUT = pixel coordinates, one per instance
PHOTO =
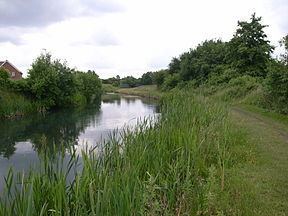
(72, 126)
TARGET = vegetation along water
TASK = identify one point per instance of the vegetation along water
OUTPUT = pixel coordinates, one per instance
(219, 146)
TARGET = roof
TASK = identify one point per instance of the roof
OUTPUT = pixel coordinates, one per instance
(3, 62)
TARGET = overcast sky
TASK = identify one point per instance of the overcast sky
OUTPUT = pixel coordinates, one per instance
(126, 37)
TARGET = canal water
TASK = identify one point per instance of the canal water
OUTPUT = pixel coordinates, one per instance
(22, 139)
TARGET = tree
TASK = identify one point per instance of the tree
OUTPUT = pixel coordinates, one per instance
(159, 77)
(199, 63)
(51, 82)
(4, 78)
(174, 66)
(129, 81)
(89, 85)
(284, 43)
(277, 85)
(249, 50)
(147, 78)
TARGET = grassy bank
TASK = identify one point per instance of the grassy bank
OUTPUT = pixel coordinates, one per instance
(176, 166)
(149, 91)
(108, 88)
(14, 105)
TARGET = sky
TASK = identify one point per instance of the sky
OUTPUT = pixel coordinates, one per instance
(127, 37)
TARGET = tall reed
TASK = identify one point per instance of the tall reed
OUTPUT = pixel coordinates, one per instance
(175, 166)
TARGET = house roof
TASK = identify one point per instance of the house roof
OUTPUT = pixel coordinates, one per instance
(3, 62)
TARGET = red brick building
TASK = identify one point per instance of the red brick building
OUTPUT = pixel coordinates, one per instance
(15, 74)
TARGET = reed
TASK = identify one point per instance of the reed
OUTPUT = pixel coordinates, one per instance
(174, 166)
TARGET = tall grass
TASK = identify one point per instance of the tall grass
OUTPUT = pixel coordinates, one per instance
(175, 166)
(13, 104)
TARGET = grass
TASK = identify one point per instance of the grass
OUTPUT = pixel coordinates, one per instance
(149, 91)
(175, 166)
(108, 88)
(266, 113)
(12, 105)
(259, 185)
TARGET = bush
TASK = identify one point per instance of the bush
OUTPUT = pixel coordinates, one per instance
(170, 82)
(159, 77)
(222, 75)
(277, 86)
(239, 87)
(4, 79)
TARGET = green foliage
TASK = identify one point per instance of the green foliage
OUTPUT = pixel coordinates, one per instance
(284, 43)
(174, 66)
(89, 85)
(221, 75)
(129, 82)
(54, 84)
(171, 81)
(238, 88)
(249, 50)
(14, 104)
(159, 77)
(4, 79)
(147, 78)
(198, 63)
(175, 166)
(44, 79)
(115, 81)
(277, 86)
(108, 88)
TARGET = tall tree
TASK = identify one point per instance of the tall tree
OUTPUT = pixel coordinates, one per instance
(202, 61)
(249, 50)
(174, 65)
(284, 43)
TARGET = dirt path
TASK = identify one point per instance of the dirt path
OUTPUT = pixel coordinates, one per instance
(268, 175)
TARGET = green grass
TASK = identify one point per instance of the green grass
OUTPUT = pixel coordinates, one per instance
(149, 91)
(176, 166)
(266, 113)
(13, 104)
(259, 185)
(107, 88)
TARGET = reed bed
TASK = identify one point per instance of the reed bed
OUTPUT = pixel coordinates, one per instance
(175, 166)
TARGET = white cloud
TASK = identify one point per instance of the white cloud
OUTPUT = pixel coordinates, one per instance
(143, 37)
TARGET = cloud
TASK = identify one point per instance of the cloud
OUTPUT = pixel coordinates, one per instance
(11, 35)
(39, 13)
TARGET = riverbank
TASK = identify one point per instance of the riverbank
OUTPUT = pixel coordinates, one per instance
(148, 91)
(200, 158)
(176, 166)
(14, 105)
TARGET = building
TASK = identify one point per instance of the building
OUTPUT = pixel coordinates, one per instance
(14, 73)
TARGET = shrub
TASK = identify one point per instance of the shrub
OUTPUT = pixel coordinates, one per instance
(239, 87)
(277, 86)
(171, 82)
(4, 79)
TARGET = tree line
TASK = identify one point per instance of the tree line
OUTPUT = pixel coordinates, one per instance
(53, 84)
(244, 60)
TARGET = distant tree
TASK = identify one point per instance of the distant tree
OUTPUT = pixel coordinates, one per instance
(115, 81)
(174, 66)
(129, 81)
(284, 43)
(147, 78)
(249, 50)
(159, 77)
